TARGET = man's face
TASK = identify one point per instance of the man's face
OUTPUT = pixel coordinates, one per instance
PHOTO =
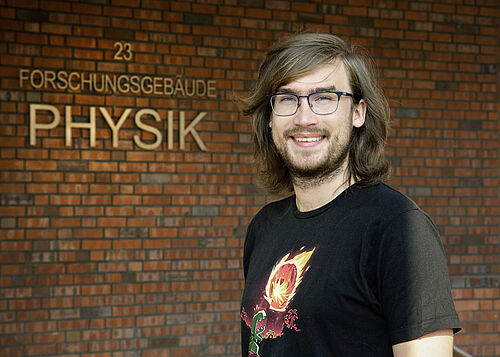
(315, 146)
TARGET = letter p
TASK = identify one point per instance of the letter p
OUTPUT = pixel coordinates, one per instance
(34, 126)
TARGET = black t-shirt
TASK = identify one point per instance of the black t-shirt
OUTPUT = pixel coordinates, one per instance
(352, 278)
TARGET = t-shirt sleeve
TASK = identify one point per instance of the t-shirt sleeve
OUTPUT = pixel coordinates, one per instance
(413, 280)
(248, 247)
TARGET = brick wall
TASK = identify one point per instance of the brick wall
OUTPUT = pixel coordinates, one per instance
(133, 247)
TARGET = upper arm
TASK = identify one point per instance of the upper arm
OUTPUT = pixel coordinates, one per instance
(435, 344)
(414, 285)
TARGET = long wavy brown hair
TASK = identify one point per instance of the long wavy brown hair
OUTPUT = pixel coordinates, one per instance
(294, 57)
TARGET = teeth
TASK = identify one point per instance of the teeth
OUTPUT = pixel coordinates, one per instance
(308, 140)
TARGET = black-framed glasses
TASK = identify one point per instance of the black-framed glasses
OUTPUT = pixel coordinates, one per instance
(322, 102)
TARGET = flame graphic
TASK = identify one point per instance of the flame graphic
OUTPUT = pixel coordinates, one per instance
(284, 279)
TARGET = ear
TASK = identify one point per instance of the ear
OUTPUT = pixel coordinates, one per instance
(359, 114)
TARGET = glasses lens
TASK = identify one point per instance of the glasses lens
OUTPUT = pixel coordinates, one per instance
(284, 104)
(323, 102)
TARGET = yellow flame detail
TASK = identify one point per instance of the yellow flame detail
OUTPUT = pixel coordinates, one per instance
(277, 292)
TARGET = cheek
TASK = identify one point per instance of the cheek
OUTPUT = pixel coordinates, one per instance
(274, 134)
(274, 127)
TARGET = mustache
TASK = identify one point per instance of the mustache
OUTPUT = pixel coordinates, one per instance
(316, 131)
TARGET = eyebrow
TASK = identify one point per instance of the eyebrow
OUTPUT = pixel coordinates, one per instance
(313, 90)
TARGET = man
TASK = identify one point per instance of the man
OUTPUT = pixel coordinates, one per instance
(346, 265)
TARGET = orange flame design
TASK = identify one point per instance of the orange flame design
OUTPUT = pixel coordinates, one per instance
(284, 279)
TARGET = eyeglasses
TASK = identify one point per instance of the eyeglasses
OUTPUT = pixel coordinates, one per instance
(322, 102)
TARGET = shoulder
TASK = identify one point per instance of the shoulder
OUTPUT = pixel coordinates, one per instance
(396, 221)
(270, 214)
(382, 199)
(384, 194)
(275, 209)
(258, 229)
(381, 209)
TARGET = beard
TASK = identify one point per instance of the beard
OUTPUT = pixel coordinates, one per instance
(306, 173)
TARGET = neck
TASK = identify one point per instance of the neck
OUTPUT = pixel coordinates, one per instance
(311, 196)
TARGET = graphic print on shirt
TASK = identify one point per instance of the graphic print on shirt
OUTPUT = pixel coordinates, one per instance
(269, 314)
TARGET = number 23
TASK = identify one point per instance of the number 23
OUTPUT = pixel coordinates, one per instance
(123, 52)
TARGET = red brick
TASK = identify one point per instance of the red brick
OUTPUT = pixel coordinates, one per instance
(95, 220)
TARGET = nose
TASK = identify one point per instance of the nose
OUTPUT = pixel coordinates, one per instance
(304, 115)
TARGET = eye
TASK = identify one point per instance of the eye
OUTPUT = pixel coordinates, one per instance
(286, 98)
(324, 97)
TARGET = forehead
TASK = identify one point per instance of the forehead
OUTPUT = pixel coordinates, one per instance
(330, 75)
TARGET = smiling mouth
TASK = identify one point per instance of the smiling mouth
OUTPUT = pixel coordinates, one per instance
(308, 140)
